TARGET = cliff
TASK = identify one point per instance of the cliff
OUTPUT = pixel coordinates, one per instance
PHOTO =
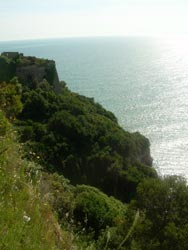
(29, 70)
(70, 135)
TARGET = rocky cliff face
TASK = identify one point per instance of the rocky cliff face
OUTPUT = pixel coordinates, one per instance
(30, 73)
(29, 70)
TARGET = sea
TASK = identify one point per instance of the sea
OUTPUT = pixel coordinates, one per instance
(142, 80)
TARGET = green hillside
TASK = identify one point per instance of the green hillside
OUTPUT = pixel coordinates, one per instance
(72, 178)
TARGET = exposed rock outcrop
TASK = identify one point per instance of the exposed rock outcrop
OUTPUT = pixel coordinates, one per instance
(29, 70)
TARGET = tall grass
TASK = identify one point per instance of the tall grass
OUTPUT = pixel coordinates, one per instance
(26, 221)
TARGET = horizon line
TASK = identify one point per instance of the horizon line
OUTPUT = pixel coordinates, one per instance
(99, 36)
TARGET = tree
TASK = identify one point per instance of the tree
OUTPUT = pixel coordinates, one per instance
(164, 207)
(10, 99)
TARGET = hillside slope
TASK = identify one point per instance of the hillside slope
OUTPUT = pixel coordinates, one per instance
(27, 219)
(65, 134)
(72, 134)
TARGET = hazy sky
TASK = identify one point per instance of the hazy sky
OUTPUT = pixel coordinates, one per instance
(25, 19)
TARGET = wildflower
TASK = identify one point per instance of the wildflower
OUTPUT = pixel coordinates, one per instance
(67, 215)
(26, 218)
(86, 219)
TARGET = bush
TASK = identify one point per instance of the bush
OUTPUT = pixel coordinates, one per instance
(95, 210)
(164, 207)
(4, 124)
(10, 99)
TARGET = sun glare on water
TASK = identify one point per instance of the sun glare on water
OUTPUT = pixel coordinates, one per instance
(176, 49)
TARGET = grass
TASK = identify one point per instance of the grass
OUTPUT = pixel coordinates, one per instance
(26, 221)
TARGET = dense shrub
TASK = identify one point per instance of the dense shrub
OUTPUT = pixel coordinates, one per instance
(4, 124)
(95, 210)
(164, 204)
(10, 98)
(71, 134)
(79, 138)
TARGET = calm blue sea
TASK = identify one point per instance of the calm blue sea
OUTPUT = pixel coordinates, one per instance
(144, 81)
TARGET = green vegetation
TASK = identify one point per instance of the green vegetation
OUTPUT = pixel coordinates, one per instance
(27, 221)
(164, 203)
(7, 69)
(10, 98)
(96, 210)
(76, 179)
(77, 137)
(29, 70)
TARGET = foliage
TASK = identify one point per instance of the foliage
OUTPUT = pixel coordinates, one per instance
(58, 191)
(95, 210)
(10, 98)
(71, 134)
(79, 138)
(7, 69)
(4, 124)
(26, 220)
(164, 207)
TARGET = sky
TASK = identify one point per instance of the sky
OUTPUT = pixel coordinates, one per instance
(35, 19)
